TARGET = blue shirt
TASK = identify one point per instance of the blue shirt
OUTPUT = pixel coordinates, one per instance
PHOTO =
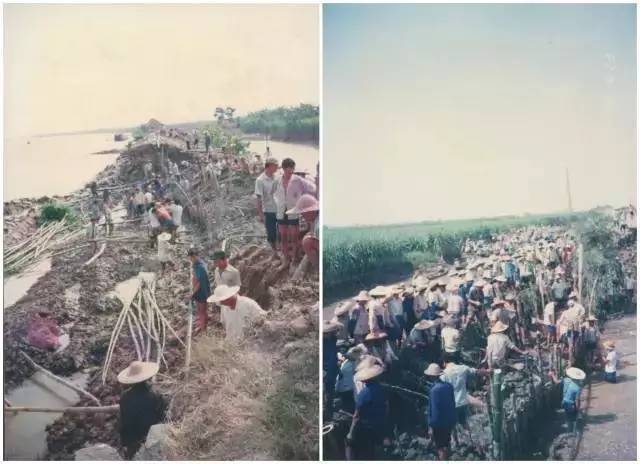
(441, 413)
(200, 273)
(570, 391)
(330, 355)
(407, 306)
(370, 405)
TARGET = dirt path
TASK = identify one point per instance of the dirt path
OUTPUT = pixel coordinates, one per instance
(610, 421)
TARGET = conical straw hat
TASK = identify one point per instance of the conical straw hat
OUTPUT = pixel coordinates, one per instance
(137, 372)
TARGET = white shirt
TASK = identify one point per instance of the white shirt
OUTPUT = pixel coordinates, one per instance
(450, 339)
(148, 197)
(612, 362)
(419, 304)
(498, 346)
(362, 320)
(229, 277)
(550, 313)
(139, 198)
(153, 220)
(375, 309)
(265, 188)
(344, 382)
(287, 198)
(176, 214)
(235, 320)
(456, 375)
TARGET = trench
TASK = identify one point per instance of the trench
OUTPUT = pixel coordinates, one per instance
(17, 286)
(25, 434)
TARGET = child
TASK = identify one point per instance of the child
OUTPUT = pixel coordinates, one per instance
(611, 362)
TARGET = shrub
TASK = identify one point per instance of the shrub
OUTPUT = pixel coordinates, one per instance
(55, 212)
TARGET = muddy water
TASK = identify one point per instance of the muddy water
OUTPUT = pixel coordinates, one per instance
(24, 433)
(305, 156)
(17, 286)
(38, 166)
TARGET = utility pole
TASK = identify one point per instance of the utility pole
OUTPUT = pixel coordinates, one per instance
(569, 191)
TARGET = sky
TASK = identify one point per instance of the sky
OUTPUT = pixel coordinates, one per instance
(459, 111)
(83, 67)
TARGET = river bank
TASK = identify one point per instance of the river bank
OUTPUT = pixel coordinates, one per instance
(80, 299)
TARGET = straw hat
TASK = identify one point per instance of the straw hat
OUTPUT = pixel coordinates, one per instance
(223, 292)
(369, 373)
(573, 295)
(499, 327)
(423, 325)
(468, 276)
(380, 290)
(592, 318)
(362, 296)
(433, 285)
(137, 372)
(368, 360)
(479, 283)
(454, 284)
(501, 278)
(575, 373)
(355, 352)
(305, 204)
(441, 283)
(433, 370)
(395, 290)
(164, 237)
(373, 336)
(609, 344)
(487, 274)
(409, 290)
(452, 273)
(331, 326)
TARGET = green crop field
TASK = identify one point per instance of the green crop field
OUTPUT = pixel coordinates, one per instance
(352, 254)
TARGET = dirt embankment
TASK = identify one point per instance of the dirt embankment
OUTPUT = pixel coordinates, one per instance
(77, 298)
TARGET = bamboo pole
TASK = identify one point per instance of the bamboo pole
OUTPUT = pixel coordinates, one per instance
(59, 379)
(97, 255)
(580, 264)
(496, 414)
(71, 409)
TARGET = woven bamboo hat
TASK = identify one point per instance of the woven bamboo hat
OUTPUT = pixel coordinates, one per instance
(342, 309)
(223, 292)
(368, 360)
(609, 344)
(499, 327)
(433, 370)
(373, 336)
(331, 326)
(423, 325)
(575, 373)
(380, 290)
(137, 372)
(362, 296)
(369, 373)
(355, 352)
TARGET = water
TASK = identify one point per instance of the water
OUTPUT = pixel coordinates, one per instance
(25, 437)
(42, 167)
(305, 156)
(17, 286)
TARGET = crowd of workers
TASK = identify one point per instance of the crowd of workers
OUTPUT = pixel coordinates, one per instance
(421, 325)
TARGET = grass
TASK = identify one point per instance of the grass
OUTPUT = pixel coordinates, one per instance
(352, 254)
(51, 212)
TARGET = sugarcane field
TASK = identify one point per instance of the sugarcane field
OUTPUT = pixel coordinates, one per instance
(164, 324)
(517, 313)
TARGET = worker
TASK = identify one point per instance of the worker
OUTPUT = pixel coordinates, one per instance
(201, 289)
(377, 344)
(267, 209)
(359, 319)
(378, 315)
(549, 314)
(458, 375)
(345, 386)
(164, 251)
(591, 338)
(611, 362)
(154, 226)
(238, 311)
(571, 389)
(140, 406)
(225, 273)
(367, 432)
(450, 340)
(441, 411)
(407, 308)
(499, 345)
(341, 315)
(396, 313)
(307, 207)
(420, 300)
(329, 363)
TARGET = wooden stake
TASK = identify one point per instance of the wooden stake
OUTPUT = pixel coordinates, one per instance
(97, 255)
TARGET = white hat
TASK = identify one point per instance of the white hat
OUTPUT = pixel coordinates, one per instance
(369, 373)
(423, 325)
(499, 327)
(223, 292)
(362, 296)
(304, 204)
(501, 278)
(379, 291)
(433, 370)
(164, 236)
(137, 372)
(343, 309)
(575, 373)
(468, 276)
(368, 360)
(355, 352)
(372, 336)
